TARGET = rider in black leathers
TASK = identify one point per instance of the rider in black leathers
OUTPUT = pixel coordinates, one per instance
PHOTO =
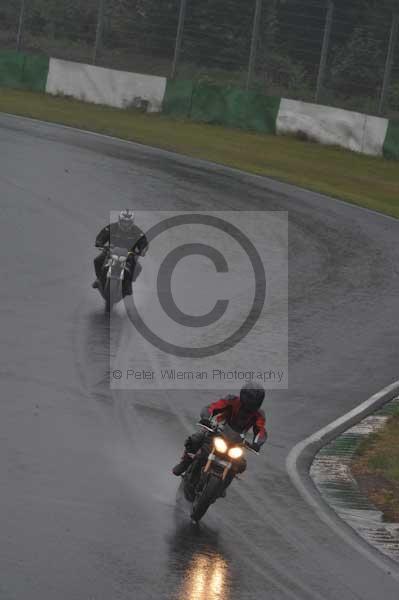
(122, 234)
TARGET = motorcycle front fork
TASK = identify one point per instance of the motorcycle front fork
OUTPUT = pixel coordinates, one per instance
(203, 480)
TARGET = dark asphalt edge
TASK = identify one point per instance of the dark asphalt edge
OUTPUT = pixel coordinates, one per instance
(279, 184)
(300, 459)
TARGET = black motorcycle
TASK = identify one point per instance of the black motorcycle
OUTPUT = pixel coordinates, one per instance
(213, 468)
(114, 269)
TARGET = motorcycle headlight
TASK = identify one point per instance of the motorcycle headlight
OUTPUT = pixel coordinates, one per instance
(220, 445)
(235, 452)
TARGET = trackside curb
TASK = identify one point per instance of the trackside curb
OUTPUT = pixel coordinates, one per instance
(299, 460)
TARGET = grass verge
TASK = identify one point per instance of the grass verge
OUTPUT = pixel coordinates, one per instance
(376, 469)
(367, 181)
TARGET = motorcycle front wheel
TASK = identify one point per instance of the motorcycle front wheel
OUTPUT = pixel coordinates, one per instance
(212, 490)
(111, 293)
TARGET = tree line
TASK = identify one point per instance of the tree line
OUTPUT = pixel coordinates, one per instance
(218, 33)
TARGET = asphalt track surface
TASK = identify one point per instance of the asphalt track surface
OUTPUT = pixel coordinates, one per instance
(88, 508)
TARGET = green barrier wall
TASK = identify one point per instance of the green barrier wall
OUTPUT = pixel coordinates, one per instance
(262, 113)
(11, 68)
(391, 144)
(221, 105)
(208, 103)
(178, 98)
(234, 107)
(35, 73)
(19, 70)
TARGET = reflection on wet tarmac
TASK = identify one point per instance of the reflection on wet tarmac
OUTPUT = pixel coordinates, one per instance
(205, 578)
(200, 560)
(102, 339)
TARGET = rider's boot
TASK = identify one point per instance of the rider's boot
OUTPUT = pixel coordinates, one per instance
(128, 288)
(95, 285)
(182, 466)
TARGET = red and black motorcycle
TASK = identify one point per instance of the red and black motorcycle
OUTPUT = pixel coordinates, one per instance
(213, 467)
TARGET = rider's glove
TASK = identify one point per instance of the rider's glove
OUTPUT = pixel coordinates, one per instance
(206, 422)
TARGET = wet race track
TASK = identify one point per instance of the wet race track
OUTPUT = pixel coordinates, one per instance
(88, 508)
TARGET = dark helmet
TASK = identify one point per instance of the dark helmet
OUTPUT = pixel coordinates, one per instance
(251, 396)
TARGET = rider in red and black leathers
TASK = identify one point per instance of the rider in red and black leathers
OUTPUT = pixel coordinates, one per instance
(241, 412)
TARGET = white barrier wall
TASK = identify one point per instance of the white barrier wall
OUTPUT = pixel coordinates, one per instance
(375, 131)
(104, 86)
(323, 124)
(333, 126)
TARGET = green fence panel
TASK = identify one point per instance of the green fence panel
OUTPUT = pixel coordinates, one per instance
(11, 68)
(250, 110)
(391, 144)
(35, 72)
(18, 70)
(209, 103)
(222, 105)
(234, 107)
(178, 98)
(262, 112)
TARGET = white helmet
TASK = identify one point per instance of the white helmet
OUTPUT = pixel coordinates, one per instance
(126, 220)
